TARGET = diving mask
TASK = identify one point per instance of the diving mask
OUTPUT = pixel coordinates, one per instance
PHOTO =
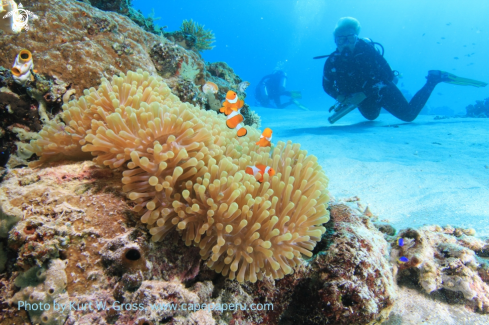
(347, 39)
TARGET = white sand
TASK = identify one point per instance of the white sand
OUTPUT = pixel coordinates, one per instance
(419, 308)
(426, 172)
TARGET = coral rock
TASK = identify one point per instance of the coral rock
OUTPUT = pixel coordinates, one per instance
(441, 260)
(74, 42)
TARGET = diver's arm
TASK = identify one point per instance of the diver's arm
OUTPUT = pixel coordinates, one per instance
(329, 88)
(328, 81)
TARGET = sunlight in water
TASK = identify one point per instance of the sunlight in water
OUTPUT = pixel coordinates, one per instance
(309, 14)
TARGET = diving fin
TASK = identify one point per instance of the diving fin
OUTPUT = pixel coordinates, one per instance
(454, 80)
(296, 94)
(299, 105)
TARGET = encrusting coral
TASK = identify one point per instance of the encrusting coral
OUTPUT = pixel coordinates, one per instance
(184, 170)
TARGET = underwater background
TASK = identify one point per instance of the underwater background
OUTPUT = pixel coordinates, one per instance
(254, 37)
(126, 193)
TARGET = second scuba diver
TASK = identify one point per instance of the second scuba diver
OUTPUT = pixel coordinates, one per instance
(272, 87)
(357, 75)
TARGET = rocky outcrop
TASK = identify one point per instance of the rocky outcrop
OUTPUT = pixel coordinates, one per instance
(76, 213)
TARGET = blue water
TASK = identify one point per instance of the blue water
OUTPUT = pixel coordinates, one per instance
(254, 36)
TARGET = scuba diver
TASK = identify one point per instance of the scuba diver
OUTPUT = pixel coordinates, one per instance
(272, 87)
(357, 75)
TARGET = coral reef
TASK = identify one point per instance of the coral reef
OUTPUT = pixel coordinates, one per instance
(480, 109)
(41, 287)
(110, 259)
(251, 118)
(124, 7)
(187, 41)
(203, 38)
(212, 102)
(69, 34)
(350, 281)
(182, 70)
(119, 6)
(185, 170)
(74, 43)
(228, 80)
(187, 92)
(445, 258)
(76, 34)
(167, 58)
(189, 70)
(24, 107)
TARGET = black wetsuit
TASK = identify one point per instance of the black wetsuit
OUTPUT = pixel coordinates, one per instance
(272, 87)
(365, 70)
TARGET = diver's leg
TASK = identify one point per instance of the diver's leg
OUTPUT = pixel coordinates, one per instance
(284, 105)
(369, 108)
(394, 102)
(278, 100)
(265, 102)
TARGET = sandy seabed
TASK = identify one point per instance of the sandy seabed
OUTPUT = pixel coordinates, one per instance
(430, 171)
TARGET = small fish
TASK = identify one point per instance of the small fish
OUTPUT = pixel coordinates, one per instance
(403, 259)
(232, 103)
(243, 85)
(400, 241)
(443, 38)
(455, 57)
(234, 121)
(265, 138)
(438, 43)
(231, 108)
(210, 87)
(423, 34)
(259, 170)
(448, 24)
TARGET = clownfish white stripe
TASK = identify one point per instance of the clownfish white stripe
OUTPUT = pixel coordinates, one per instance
(232, 101)
(239, 126)
(255, 169)
(233, 114)
(266, 170)
(268, 138)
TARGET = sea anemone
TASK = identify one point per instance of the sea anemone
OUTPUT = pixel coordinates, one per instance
(185, 170)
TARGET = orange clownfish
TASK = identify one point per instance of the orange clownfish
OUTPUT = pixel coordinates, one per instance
(234, 120)
(232, 103)
(260, 169)
(265, 138)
